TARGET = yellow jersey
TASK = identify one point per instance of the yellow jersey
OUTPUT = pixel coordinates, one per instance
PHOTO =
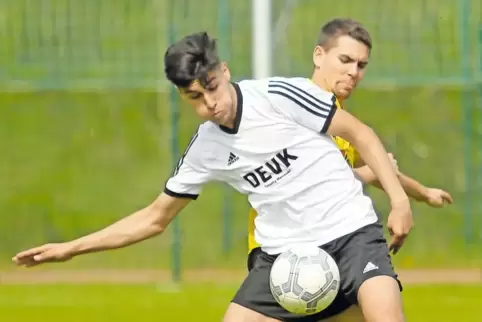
(349, 153)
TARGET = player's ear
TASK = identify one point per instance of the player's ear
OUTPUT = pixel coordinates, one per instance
(225, 70)
(318, 56)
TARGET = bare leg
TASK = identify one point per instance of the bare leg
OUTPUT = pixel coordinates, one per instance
(353, 314)
(380, 300)
(238, 313)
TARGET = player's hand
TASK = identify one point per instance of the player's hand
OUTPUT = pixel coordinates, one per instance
(400, 223)
(437, 198)
(48, 253)
(394, 163)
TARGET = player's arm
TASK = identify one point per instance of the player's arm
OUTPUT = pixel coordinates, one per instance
(432, 196)
(183, 186)
(365, 175)
(369, 146)
(142, 224)
(415, 190)
(313, 108)
(371, 150)
(412, 187)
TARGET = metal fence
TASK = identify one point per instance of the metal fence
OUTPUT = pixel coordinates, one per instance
(86, 117)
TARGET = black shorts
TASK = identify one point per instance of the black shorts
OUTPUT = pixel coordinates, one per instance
(360, 255)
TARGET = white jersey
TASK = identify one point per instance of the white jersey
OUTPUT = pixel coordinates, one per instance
(279, 155)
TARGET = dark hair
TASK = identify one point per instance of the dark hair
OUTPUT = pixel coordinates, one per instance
(190, 59)
(335, 28)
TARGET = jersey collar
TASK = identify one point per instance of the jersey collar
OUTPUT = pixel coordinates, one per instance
(239, 112)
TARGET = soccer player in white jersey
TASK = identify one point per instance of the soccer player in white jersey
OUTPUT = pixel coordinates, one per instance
(270, 139)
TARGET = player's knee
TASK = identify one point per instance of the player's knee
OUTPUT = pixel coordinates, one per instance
(380, 300)
(238, 313)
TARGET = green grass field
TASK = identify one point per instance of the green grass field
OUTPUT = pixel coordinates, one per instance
(206, 302)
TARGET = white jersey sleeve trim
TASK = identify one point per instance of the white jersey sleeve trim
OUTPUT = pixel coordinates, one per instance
(317, 108)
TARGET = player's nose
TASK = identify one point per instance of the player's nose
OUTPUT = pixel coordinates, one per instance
(353, 70)
(210, 102)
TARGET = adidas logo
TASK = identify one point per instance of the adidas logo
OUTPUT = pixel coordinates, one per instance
(370, 267)
(232, 158)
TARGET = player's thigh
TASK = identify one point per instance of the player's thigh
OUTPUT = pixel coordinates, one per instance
(380, 300)
(238, 313)
(254, 294)
(367, 274)
(352, 314)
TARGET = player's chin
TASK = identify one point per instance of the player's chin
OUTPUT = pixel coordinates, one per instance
(344, 93)
(219, 119)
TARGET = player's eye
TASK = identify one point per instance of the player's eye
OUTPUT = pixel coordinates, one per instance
(212, 88)
(194, 96)
(345, 59)
(362, 65)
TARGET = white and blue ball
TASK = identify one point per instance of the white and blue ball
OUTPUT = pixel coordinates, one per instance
(304, 280)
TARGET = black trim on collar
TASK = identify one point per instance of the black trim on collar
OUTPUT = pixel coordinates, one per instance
(239, 112)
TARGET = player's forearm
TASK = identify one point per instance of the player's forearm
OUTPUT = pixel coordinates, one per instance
(412, 187)
(139, 226)
(365, 174)
(376, 157)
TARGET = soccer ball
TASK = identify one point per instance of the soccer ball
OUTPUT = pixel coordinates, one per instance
(304, 280)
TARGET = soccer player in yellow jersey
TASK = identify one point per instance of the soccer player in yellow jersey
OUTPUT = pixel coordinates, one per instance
(334, 52)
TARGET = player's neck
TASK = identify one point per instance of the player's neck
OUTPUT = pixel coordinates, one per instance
(320, 82)
(229, 123)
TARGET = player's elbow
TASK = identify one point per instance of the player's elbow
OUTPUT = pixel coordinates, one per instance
(156, 218)
(164, 209)
(160, 214)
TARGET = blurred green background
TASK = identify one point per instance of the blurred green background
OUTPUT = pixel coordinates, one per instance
(87, 120)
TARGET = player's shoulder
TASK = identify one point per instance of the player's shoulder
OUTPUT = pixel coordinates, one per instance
(207, 132)
(253, 88)
(211, 138)
(273, 94)
(301, 82)
(265, 83)
(300, 87)
(268, 86)
(202, 141)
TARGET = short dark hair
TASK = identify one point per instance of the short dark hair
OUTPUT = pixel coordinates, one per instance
(337, 27)
(190, 59)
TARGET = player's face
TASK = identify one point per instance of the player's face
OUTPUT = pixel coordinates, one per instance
(343, 65)
(214, 101)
